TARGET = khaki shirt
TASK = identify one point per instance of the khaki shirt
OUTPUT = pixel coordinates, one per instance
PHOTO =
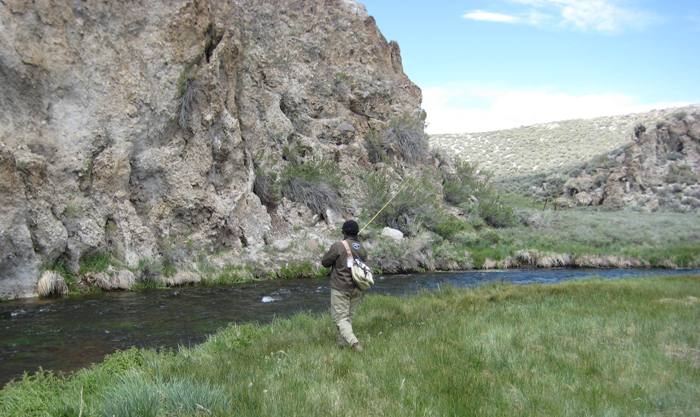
(336, 258)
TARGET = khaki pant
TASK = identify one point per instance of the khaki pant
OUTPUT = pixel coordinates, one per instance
(343, 305)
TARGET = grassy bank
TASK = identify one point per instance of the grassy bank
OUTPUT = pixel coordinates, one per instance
(575, 237)
(629, 347)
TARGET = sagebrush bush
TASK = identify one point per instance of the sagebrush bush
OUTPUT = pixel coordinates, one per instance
(495, 213)
(466, 182)
(406, 136)
(682, 174)
(314, 183)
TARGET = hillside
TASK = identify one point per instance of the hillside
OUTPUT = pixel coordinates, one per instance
(547, 147)
(659, 169)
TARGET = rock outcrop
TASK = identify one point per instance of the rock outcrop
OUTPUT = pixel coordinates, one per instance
(138, 128)
(660, 169)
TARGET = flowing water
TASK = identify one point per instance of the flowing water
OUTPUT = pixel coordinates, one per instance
(67, 334)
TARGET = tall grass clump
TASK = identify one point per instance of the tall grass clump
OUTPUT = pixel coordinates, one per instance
(139, 395)
(133, 396)
(59, 266)
(314, 183)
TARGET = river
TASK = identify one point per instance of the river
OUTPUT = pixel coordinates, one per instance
(67, 334)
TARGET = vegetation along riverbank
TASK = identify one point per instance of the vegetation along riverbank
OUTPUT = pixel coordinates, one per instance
(627, 347)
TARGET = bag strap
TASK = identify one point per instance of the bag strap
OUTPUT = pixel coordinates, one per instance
(347, 249)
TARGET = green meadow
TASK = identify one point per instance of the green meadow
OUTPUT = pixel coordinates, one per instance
(583, 348)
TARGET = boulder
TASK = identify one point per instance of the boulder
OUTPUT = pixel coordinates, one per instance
(181, 278)
(111, 279)
(694, 131)
(583, 199)
(392, 233)
(281, 245)
(489, 264)
(563, 202)
(691, 201)
(332, 217)
(652, 204)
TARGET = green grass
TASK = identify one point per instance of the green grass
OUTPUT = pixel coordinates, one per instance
(95, 262)
(302, 269)
(651, 237)
(603, 348)
(656, 239)
(604, 232)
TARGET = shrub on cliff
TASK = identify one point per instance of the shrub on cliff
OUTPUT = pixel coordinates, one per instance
(267, 188)
(413, 205)
(374, 145)
(405, 136)
(313, 183)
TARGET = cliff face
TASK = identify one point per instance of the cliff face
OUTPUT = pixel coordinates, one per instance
(660, 169)
(133, 127)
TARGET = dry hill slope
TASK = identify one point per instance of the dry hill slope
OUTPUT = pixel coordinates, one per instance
(547, 147)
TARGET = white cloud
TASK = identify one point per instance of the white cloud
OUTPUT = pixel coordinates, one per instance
(608, 16)
(460, 108)
(485, 16)
(600, 15)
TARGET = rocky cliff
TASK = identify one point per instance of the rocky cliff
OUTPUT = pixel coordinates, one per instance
(659, 169)
(139, 128)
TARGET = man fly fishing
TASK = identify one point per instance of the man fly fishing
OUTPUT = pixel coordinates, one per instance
(347, 283)
(345, 293)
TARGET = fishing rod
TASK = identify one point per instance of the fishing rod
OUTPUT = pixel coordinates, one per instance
(403, 183)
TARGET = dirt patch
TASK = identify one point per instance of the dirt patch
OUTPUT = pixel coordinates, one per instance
(688, 301)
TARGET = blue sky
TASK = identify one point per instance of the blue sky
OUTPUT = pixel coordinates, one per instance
(486, 65)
